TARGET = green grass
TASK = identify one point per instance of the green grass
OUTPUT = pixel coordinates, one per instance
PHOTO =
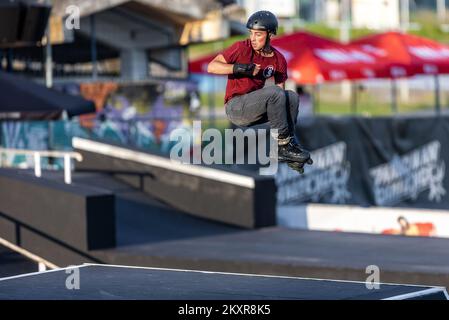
(334, 33)
(429, 26)
(374, 102)
(371, 109)
(218, 99)
(203, 49)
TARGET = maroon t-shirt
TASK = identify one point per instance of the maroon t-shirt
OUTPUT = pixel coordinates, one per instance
(242, 52)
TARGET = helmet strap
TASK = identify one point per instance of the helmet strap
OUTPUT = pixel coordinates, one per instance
(267, 48)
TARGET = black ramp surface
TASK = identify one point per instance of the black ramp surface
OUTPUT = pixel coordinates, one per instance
(142, 219)
(79, 216)
(217, 193)
(280, 251)
(12, 263)
(113, 282)
(150, 233)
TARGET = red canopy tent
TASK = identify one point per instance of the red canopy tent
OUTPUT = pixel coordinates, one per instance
(314, 59)
(405, 55)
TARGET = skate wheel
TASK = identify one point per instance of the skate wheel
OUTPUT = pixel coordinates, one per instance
(310, 161)
(299, 167)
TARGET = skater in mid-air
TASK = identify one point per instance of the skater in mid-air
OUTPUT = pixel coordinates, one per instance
(248, 64)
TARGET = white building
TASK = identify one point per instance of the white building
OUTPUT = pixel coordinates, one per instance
(376, 14)
(372, 14)
(281, 8)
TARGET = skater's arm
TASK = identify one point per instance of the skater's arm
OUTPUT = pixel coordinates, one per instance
(220, 66)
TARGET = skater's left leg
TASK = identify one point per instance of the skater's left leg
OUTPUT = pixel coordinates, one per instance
(293, 109)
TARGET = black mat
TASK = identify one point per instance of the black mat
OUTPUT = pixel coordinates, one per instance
(111, 282)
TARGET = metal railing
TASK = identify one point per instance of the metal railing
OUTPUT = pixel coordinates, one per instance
(38, 154)
(43, 264)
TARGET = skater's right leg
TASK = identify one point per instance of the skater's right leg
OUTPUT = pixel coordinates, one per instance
(268, 103)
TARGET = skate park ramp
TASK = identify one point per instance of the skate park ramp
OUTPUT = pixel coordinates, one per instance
(241, 198)
(103, 218)
(98, 282)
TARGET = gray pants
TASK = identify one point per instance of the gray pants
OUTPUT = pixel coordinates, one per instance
(265, 105)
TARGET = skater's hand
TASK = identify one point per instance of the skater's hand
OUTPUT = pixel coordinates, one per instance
(256, 69)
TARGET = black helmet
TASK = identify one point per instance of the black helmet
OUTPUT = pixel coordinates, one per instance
(263, 20)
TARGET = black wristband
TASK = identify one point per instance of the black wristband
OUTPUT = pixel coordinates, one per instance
(245, 69)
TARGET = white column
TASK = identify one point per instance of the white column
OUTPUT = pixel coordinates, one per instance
(48, 59)
(37, 165)
(42, 267)
(346, 90)
(404, 90)
(441, 11)
(67, 169)
(345, 37)
(133, 64)
(405, 15)
(345, 23)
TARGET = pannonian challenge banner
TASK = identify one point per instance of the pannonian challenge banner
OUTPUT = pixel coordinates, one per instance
(390, 162)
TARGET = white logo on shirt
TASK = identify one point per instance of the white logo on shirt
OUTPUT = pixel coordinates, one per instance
(268, 71)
